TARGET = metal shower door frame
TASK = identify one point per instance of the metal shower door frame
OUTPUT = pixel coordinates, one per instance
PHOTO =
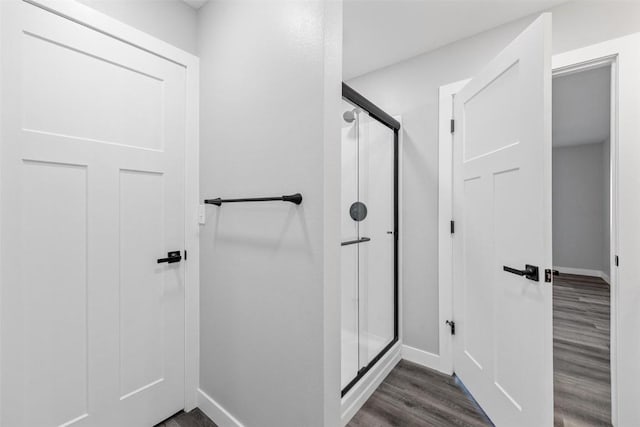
(351, 95)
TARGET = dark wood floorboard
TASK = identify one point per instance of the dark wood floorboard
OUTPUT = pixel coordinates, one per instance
(195, 418)
(582, 380)
(416, 396)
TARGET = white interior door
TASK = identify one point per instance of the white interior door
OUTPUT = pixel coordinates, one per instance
(92, 187)
(502, 205)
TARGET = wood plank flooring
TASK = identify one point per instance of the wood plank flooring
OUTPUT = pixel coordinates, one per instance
(416, 396)
(195, 418)
(413, 396)
(582, 385)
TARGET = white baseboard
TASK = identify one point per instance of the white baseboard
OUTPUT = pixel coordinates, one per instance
(216, 412)
(584, 272)
(362, 391)
(421, 357)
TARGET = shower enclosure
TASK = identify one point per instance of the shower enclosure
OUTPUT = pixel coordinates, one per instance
(369, 251)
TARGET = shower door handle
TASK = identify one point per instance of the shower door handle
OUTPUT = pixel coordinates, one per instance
(355, 242)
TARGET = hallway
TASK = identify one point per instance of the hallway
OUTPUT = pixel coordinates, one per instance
(582, 387)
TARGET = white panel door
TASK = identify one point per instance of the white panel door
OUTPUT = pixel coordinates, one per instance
(92, 186)
(502, 203)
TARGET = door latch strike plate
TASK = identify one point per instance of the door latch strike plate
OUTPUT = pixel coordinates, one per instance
(452, 325)
(548, 275)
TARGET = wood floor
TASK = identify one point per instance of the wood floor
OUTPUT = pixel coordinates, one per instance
(582, 385)
(195, 418)
(413, 396)
(416, 396)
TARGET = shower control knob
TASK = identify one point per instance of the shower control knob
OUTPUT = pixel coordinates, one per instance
(358, 211)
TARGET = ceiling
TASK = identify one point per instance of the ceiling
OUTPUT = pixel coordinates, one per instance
(378, 33)
(196, 4)
(581, 107)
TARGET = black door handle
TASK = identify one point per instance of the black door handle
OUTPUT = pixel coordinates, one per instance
(171, 258)
(530, 272)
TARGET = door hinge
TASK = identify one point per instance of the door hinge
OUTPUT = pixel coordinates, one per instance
(452, 226)
(453, 125)
(452, 325)
(617, 261)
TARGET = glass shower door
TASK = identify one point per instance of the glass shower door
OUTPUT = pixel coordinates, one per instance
(376, 256)
(367, 253)
(349, 252)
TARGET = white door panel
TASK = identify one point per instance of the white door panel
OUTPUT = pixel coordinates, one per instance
(92, 194)
(502, 146)
(61, 373)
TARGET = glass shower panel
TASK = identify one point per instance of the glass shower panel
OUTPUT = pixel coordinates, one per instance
(368, 241)
(349, 253)
(375, 257)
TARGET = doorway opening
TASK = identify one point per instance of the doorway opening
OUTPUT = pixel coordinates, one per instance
(582, 255)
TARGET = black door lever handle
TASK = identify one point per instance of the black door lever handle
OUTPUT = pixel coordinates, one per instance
(530, 272)
(171, 258)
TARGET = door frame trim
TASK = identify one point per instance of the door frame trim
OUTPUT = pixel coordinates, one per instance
(111, 27)
(607, 53)
(445, 216)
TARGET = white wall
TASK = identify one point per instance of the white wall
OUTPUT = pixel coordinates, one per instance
(580, 183)
(270, 125)
(172, 21)
(410, 89)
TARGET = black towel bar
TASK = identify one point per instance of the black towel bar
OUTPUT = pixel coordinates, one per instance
(293, 198)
